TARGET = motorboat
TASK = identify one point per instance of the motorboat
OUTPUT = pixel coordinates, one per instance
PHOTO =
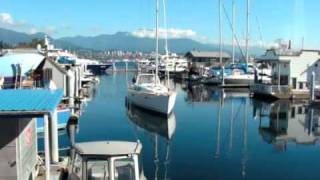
(147, 92)
(243, 74)
(173, 63)
(105, 160)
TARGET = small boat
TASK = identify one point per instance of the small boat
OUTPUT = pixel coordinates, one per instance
(240, 74)
(172, 63)
(147, 92)
(105, 160)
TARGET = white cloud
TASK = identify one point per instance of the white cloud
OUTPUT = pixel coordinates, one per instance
(173, 33)
(33, 30)
(6, 19)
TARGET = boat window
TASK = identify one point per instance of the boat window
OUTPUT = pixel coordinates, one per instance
(147, 79)
(124, 169)
(97, 169)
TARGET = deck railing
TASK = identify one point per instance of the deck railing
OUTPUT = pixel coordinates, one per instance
(271, 89)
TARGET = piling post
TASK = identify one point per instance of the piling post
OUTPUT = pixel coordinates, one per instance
(46, 146)
(54, 144)
(312, 86)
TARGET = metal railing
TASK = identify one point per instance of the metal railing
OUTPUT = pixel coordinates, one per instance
(271, 89)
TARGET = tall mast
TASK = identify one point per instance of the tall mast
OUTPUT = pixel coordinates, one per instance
(233, 30)
(247, 32)
(221, 39)
(220, 30)
(157, 38)
(165, 26)
(166, 40)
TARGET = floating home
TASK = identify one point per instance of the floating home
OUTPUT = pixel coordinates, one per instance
(290, 73)
(201, 59)
(19, 150)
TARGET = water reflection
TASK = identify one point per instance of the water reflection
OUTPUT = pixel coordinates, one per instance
(161, 130)
(284, 122)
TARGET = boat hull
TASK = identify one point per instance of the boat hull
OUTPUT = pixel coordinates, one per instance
(246, 80)
(160, 103)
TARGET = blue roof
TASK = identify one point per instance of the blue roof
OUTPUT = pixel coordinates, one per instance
(27, 61)
(29, 100)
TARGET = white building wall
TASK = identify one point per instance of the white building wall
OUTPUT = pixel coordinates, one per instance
(57, 77)
(300, 65)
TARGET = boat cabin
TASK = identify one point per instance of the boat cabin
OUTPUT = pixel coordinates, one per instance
(290, 72)
(105, 160)
(146, 79)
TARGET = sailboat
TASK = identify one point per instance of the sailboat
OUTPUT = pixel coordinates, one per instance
(244, 76)
(146, 90)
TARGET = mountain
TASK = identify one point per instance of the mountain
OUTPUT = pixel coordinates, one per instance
(128, 42)
(14, 37)
(119, 41)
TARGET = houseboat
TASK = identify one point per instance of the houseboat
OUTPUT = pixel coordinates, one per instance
(290, 73)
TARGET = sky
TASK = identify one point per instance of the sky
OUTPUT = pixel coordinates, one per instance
(197, 19)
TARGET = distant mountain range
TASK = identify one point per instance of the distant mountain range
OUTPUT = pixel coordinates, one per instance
(119, 41)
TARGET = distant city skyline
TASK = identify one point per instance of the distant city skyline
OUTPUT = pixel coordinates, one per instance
(286, 19)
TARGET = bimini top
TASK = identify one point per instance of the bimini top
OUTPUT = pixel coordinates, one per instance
(27, 62)
(29, 101)
(108, 148)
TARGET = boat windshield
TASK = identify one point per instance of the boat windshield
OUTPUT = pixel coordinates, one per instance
(147, 78)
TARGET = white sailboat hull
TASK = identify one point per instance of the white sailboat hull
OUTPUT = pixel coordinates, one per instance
(161, 103)
(246, 79)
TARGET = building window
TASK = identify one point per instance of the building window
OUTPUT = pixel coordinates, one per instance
(47, 74)
(294, 83)
(300, 85)
(293, 112)
(299, 110)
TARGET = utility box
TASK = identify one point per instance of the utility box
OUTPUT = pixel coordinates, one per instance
(18, 148)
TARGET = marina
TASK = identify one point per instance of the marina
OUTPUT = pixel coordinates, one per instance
(198, 142)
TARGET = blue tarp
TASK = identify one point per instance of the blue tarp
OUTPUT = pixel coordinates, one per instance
(20, 100)
(66, 60)
(27, 61)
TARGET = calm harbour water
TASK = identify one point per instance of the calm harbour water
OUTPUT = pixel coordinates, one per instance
(211, 134)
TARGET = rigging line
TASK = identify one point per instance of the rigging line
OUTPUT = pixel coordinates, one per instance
(235, 36)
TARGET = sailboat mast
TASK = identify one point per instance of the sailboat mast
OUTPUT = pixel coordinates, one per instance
(220, 31)
(247, 32)
(166, 40)
(221, 39)
(165, 26)
(233, 30)
(157, 37)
